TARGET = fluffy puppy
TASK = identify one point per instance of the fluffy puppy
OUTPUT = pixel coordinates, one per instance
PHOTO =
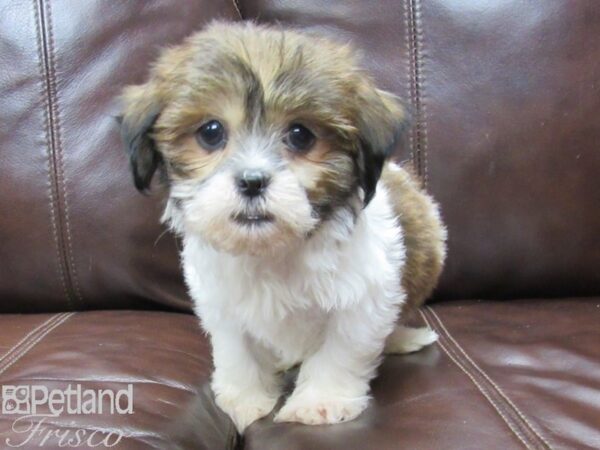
(301, 244)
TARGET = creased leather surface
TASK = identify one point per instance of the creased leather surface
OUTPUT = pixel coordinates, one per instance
(504, 131)
(512, 91)
(505, 100)
(542, 354)
(74, 233)
(163, 355)
(505, 97)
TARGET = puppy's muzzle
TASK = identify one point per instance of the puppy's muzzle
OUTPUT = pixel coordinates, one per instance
(252, 183)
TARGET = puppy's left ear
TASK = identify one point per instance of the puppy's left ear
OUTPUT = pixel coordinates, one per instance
(381, 122)
(141, 108)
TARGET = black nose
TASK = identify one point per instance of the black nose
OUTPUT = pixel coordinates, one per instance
(252, 182)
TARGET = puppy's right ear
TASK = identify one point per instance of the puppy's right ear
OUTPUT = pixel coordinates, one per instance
(141, 108)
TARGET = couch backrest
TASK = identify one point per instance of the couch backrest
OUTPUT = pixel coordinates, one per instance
(505, 98)
(74, 233)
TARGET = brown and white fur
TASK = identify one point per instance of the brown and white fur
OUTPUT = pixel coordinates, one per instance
(316, 266)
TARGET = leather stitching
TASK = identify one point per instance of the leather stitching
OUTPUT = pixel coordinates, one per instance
(492, 382)
(236, 5)
(28, 336)
(492, 388)
(418, 29)
(494, 394)
(420, 128)
(477, 385)
(60, 162)
(27, 343)
(409, 79)
(32, 343)
(51, 189)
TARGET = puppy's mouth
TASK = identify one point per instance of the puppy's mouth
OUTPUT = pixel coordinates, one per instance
(252, 219)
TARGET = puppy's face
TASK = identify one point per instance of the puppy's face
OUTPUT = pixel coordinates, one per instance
(261, 134)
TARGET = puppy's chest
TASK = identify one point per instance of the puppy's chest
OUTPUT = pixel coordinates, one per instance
(292, 338)
(279, 306)
(259, 294)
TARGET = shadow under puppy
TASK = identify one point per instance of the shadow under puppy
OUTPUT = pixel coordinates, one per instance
(302, 245)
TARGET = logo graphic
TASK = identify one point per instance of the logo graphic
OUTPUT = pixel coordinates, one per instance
(15, 400)
(35, 405)
(37, 399)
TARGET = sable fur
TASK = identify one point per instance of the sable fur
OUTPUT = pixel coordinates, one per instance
(345, 250)
(424, 235)
(277, 76)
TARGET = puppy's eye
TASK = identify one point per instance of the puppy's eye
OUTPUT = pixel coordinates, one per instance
(299, 138)
(211, 135)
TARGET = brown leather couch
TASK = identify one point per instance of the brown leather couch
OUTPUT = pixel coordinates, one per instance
(505, 99)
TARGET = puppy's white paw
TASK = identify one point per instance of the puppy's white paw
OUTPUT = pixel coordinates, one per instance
(245, 407)
(407, 340)
(316, 410)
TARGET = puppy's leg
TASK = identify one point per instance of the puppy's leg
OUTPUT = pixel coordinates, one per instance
(244, 388)
(333, 383)
(407, 340)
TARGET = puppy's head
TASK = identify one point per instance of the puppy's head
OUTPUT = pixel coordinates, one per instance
(261, 134)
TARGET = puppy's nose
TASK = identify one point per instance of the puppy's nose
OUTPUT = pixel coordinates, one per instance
(252, 182)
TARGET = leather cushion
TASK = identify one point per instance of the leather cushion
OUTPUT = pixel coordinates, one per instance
(165, 356)
(522, 374)
(503, 375)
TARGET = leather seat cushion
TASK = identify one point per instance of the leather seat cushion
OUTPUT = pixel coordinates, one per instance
(165, 356)
(519, 374)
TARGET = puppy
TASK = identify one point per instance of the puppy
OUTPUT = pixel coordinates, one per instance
(301, 245)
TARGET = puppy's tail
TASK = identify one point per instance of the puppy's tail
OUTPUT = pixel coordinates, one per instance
(407, 340)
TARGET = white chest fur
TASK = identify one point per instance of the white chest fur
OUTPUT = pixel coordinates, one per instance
(283, 303)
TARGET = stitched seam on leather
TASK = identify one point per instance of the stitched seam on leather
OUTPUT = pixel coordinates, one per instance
(409, 80)
(17, 356)
(415, 86)
(236, 5)
(492, 382)
(51, 183)
(509, 412)
(421, 121)
(481, 389)
(59, 167)
(40, 331)
(25, 338)
(422, 94)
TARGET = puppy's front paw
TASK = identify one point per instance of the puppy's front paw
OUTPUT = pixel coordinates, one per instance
(245, 407)
(317, 409)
